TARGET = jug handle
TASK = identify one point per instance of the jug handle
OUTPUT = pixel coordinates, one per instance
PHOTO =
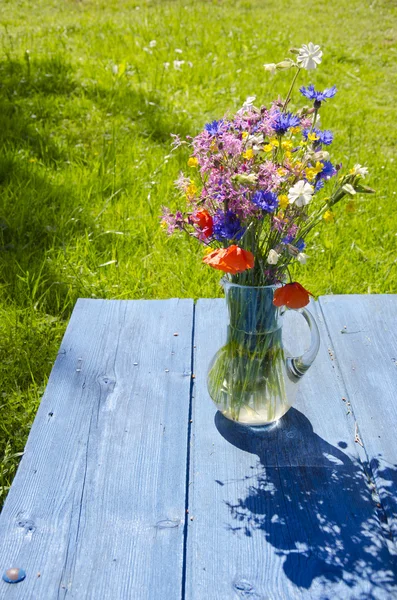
(300, 364)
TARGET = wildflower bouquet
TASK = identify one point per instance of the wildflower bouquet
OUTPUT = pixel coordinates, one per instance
(260, 181)
(256, 188)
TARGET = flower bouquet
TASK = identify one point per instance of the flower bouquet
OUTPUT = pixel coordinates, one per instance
(259, 182)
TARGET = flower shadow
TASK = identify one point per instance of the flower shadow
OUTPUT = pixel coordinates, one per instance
(316, 507)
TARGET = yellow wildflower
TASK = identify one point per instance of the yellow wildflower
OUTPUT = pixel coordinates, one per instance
(244, 135)
(295, 130)
(192, 162)
(248, 154)
(310, 174)
(281, 171)
(288, 155)
(283, 201)
(312, 137)
(268, 148)
(287, 145)
(328, 216)
(274, 142)
(213, 147)
(191, 189)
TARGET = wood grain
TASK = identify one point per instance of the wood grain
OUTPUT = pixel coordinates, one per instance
(287, 512)
(363, 332)
(97, 508)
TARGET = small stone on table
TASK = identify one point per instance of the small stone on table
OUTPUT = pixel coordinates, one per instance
(14, 575)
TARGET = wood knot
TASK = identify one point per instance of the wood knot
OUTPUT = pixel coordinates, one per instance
(28, 525)
(167, 524)
(107, 382)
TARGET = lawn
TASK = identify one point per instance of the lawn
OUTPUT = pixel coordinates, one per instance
(90, 92)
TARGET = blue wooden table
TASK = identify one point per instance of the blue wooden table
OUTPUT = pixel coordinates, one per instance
(132, 486)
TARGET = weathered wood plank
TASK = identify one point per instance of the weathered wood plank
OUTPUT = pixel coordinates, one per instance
(97, 508)
(286, 513)
(363, 332)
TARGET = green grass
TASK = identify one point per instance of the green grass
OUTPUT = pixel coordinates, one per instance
(85, 159)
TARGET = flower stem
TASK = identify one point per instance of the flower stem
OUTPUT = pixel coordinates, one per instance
(290, 90)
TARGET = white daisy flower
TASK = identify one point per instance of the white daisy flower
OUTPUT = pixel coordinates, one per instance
(301, 193)
(309, 56)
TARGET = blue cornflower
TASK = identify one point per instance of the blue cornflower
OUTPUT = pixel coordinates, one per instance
(328, 170)
(227, 226)
(324, 137)
(319, 185)
(318, 97)
(214, 128)
(267, 201)
(284, 121)
(287, 239)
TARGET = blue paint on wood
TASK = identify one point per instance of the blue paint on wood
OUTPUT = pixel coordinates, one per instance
(287, 512)
(302, 509)
(98, 503)
(363, 332)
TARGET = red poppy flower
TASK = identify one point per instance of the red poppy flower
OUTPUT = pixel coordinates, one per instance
(230, 260)
(204, 222)
(293, 295)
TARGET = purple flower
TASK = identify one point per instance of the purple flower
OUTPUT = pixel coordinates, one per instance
(284, 121)
(227, 226)
(214, 128)
(267, 201)
(324, 137)
(318, 97)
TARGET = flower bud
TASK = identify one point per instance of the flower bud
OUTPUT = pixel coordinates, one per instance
(273, 257)
(241, 178)
(322, 155)
(271, 67)
(285, 64)
(349, 189)
(302, 258)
